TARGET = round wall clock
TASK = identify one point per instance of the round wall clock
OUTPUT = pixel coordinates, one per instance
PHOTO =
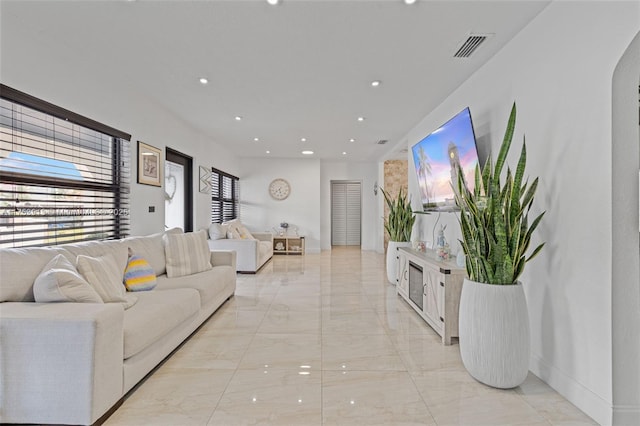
(279, 189)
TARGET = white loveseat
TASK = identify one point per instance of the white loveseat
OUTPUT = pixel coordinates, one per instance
(71, 362)
(253, 249)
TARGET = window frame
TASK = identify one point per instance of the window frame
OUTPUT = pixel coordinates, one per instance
(218, 201)
(117, 187)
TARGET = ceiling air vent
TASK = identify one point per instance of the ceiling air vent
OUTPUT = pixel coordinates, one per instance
(470, 45)
(382, 141)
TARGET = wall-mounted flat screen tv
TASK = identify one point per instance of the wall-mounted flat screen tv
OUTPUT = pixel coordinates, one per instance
(434, 158)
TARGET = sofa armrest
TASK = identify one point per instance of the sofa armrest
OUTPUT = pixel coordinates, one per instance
(60, 362)
(223, 257)
(246, 252)
(263, 236)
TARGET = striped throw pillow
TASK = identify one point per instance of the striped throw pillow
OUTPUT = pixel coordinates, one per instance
(187, 253)
(139, 275)
(105, 277)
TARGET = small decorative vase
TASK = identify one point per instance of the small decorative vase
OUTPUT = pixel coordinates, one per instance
(494, 333)
(392, 260)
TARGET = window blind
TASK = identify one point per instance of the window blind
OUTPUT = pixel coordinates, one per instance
(63, 177)
(225, 190)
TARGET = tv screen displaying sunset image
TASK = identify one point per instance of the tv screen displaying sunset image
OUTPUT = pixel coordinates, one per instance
(434, 158)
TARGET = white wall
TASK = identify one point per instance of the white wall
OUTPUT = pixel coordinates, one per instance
(561, 79)
(117, 105)
(309, 205)
(365, 172)
(260, 212)
(626, 256)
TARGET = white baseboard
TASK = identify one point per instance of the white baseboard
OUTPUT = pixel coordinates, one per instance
(312, 250)
(626, 415)
(592, 404)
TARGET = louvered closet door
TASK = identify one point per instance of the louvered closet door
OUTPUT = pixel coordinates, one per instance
(338, 214)
(346, 203)
(353, 214)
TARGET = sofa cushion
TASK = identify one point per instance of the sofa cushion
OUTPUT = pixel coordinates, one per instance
(218, 231)
(208, 283)
(155, 315)
(59, 281)
(151, 248)
(265, 249)
(244, 233)
(105, 276)
(139, 275)
(96, 249)
(233, 234)
(187, 253)
(19, 267)
(237, 230)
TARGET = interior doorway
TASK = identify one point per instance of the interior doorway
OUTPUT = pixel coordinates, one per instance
(346, 213)
(178, 191)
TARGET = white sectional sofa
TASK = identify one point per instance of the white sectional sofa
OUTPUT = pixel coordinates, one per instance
(71, 362)
(253, 249)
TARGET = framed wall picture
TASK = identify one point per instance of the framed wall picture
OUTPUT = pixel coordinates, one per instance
(149, 165)
(205, 180)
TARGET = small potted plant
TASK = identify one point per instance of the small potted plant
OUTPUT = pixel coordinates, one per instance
(496, 236)
(398, 224)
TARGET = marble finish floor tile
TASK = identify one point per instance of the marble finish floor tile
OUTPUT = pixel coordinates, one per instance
(296, 302)
(283, 351)
(399, 322)
(359, 352)
(372, 398)
(276, 397)
(173, 396)
(323, 339)
(363, 323)
(552, 406)
(279, 321)
(233, 322)
(426, 352)
(211, 351)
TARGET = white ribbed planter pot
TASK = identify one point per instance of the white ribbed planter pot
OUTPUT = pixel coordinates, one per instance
(392, 259)
(494, 333)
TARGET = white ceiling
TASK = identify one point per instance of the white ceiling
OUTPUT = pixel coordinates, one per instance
(299, 69)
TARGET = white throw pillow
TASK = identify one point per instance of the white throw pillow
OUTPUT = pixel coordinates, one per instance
(218, 231)
(244, 232)
(187, 253)
(105, 277)
(237, 230)
(59, 281)
(233, 234)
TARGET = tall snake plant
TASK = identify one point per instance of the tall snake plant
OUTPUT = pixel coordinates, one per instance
(494, 218)
(401, 217)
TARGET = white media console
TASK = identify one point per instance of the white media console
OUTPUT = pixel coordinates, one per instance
(432, 287)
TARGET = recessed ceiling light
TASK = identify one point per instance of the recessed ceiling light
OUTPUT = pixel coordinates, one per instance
(352, 140)
(360, 118)
(268, 152)
(409, 1)
(273, 2)
(375, 83)
(256, 139)
(344, 152)
(204, 80)
(238, 118)
(303, 139)
(307, 152)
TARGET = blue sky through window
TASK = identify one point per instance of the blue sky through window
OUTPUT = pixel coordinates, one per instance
(20, 162)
